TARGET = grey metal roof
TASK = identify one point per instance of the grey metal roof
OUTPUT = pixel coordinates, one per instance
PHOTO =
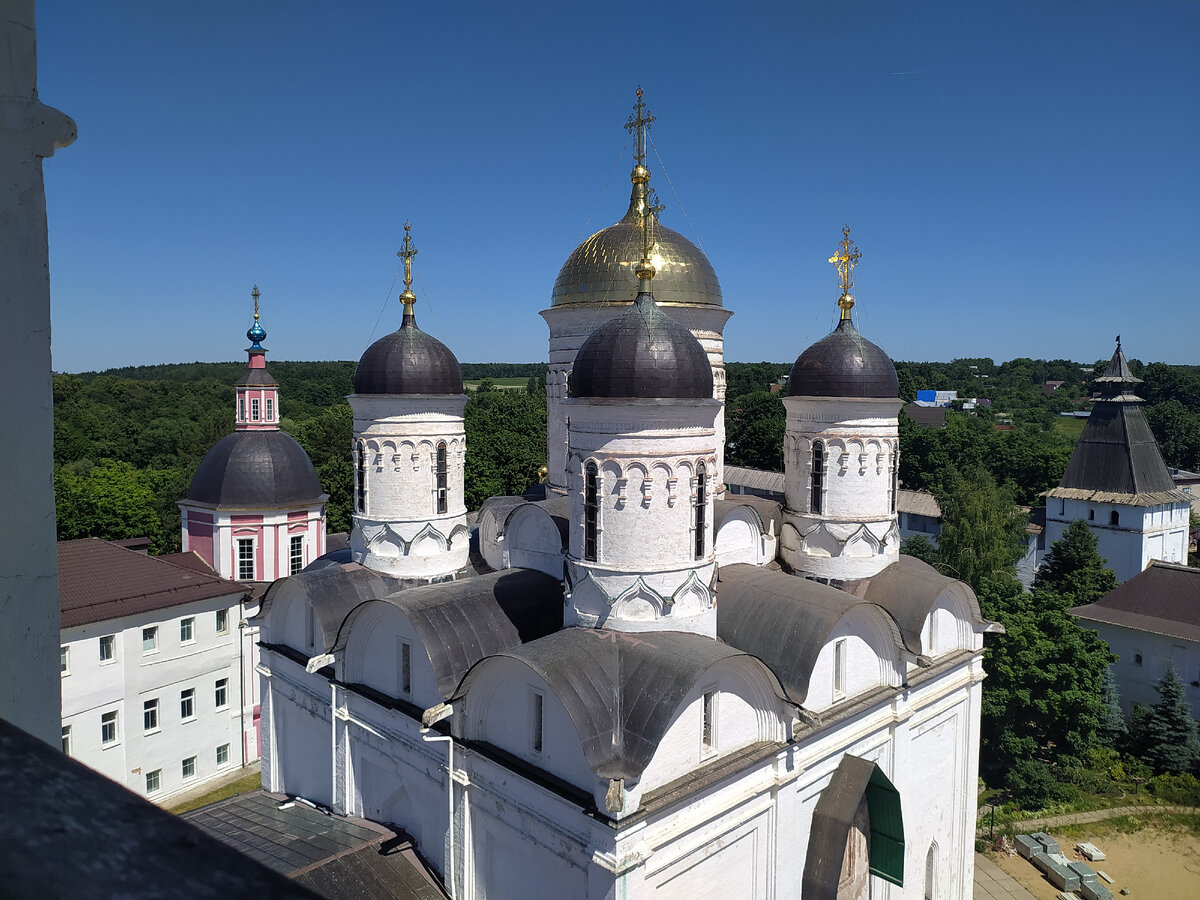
(757, 479)
(338, 858)
(257, 377)
(408, 361)
(769, 512)
(919, 503)
(784, 620)
(1118, 371)
(67, 831)
(333, 590)
(461, 622)
(844, 364)
(642, 353)
(621, 690)
(1162, 599)
(558, 507)
(1117, 454)
(256, 470)
(908, 590)
(601, 269)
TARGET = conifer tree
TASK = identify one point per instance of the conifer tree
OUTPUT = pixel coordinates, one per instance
(1167, 737)
(1074, 569)
(1112, 729)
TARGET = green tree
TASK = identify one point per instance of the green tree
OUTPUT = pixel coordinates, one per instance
(1074, 569)
(1113, 730)
(113, 501)
(920, 547)
(1166, 736)
(983, 532)
(506, 443)
(1043, 696)
(754, 426)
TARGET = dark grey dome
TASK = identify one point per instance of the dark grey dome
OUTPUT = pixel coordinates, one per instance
(844, 364)
(256, 469)
(408, 361)
(642, 353)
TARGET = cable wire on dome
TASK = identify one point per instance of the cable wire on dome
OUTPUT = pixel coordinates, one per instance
(674, 192)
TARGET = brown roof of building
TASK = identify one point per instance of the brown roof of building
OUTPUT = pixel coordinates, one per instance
(918, 503)
(97, 580)
(1164, 599)
(929, 416)
(189, 560)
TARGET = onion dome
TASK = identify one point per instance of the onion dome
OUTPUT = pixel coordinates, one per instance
(256, 470)
(408, 361)
(603, 268)
(643, 354)
(844, 364)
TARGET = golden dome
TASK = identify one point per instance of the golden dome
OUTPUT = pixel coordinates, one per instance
(603, 268)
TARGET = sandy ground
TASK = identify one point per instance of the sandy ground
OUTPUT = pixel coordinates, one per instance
(1155, 863)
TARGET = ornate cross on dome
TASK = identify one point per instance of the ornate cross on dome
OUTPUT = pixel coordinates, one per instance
(255, 294)
(406, 253)
(256, 334)
(845, 259)
(639, 121)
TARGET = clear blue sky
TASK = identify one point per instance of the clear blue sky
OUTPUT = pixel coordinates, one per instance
(1023, 178)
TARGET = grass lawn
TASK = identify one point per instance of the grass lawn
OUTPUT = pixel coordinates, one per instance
(1072, 428)
(244, 785)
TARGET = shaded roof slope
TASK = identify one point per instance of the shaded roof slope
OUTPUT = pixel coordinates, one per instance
(461, 622)
(1162, 599)
(97, 581)
(622, 690)
(784, 620)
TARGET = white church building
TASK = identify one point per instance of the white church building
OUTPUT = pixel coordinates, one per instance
(630, 685)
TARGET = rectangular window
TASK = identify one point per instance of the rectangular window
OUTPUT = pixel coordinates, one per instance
(296, 554)
(591, 511)
(108, 648)
(150, 639)
(223, 755)
(187, 704)
(253, 409)
(537, 703)
(1137, 658)
(270, 409)
(150, 715)
(245, 548)
(839, 669)
(188, 769)
(221, 693)
(708, 727)
(66, 739)
(241, 409)
(187, 630)
(222, 621)
(64, 660)
(404, 674)
(818, 477)
(441, 478)
(154, 781)
(701, 508)
(108, 728)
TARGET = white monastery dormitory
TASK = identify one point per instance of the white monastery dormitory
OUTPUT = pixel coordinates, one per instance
(624, 683)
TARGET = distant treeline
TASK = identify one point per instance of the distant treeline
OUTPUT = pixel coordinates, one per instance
(127, 441)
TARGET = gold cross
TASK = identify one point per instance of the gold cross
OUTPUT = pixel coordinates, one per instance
(406, 253)
(845, 259)
(255, 294)
(639, 122)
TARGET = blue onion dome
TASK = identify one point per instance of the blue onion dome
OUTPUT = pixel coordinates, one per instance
(644, 354)
(257, 334)
(408, 361)
(602, 268)
(256, 470)
(844, 364)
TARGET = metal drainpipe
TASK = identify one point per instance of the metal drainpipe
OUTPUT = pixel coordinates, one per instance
(242, 681)
(449, 798)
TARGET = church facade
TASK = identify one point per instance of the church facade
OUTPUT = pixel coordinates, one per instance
(629, 685)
